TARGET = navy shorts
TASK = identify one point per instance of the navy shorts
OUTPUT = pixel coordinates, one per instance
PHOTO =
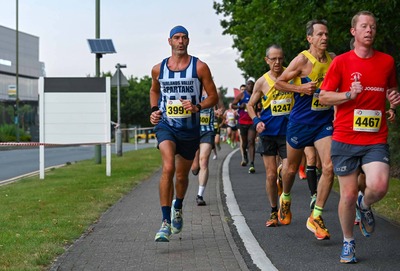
(208, 137)
(272, 145)
(234, 128)
(300, 136)
(347, 158)
(186, 148)
(244, 128)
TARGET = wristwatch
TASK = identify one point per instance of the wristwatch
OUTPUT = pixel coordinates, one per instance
(348, 95)
(198, 106)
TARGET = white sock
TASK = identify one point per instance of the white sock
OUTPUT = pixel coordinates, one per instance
(362, 204)
(201, 190)
(348, 239)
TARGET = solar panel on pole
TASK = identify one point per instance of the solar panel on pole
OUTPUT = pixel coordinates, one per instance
(101, 46)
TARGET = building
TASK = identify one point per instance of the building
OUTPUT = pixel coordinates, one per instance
(29, 71)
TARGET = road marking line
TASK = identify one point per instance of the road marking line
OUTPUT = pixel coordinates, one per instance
(257, 254)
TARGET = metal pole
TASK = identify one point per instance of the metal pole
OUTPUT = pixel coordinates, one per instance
(17, 75)
(118, 134)
(97, 148)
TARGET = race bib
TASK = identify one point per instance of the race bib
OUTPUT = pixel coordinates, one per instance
(204, 118)
(367, 120)
(281, 107)
(316, 105)
(216, 126)
(176, 110)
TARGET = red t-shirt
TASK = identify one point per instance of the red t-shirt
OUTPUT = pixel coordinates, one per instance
(361, 121)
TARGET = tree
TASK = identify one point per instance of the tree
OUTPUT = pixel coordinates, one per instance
(256, 24)
(136, 105)
(134, 102)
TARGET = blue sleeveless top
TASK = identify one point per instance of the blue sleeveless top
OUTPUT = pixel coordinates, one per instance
(276, 107)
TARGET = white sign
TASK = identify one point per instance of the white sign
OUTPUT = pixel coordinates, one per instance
(75, 111)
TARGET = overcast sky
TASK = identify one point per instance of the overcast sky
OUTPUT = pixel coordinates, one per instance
(139, 30)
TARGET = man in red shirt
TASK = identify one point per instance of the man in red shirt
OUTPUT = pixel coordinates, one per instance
(358, 83)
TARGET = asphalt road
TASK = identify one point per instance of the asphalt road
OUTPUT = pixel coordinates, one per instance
(294, 247)
(21, 161)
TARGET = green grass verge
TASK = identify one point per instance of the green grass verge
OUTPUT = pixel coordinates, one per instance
(40, 218)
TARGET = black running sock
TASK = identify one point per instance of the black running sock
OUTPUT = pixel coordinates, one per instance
(311, 173)
(274, 209)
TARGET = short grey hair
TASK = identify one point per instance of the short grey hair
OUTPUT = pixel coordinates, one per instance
(310, 26)
(275, 46)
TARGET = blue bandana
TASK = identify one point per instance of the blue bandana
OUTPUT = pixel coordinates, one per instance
(178, 29)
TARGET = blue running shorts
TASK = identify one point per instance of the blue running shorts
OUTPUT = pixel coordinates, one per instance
(299, 136)
(186, 148)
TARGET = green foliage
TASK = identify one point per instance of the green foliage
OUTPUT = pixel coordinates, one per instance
(255, 25)
(8, 134)
(135, 105)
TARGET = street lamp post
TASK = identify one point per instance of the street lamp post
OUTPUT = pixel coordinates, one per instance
(17, 74)
(97, 148)
(118, 134)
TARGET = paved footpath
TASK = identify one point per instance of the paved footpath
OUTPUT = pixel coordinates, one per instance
(123, 238)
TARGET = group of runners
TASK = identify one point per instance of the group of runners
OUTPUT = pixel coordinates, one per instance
(331, 108)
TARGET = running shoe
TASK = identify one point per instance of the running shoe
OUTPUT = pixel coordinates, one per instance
(284, 214)
(200, 201)
(313, 200)
(317, 226)
(367, 221)
(348, 252)
(215, 157)
(252, 170)
(272, 220)
(228, 141)
(164, 233)
(176, 219)
(279, 180)
(195, 171)
(302, 174)
(245, 158)
(243, 163)
(358, 217)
